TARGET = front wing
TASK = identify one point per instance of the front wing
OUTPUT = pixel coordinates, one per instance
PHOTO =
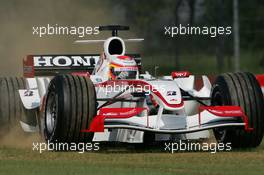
(209, 117)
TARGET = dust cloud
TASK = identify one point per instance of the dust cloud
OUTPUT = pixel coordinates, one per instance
(18, 17)
(15, 138)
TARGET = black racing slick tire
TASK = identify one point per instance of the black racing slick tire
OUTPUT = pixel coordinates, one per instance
(70, 106)
(11, 107)
(240, 89)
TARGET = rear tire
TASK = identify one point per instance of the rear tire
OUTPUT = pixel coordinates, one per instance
(70, 106)
(240, 89)
(11, 107)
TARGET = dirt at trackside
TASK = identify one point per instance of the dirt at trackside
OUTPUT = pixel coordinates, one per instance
(16, 138)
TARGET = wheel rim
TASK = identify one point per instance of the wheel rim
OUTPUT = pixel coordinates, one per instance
(217, 100)
(220, 133)
(51, 112)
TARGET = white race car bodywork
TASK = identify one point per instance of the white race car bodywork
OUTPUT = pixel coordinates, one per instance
(186, 114)
(177, 116)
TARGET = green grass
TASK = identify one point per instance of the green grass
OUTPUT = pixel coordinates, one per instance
(24, 161)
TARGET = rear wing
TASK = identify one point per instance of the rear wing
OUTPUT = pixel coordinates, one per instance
(51, 65)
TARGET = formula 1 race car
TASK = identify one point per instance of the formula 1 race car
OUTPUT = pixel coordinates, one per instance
(107, 97)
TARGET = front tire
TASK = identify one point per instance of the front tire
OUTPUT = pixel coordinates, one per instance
(240, 89)
(70, 106)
